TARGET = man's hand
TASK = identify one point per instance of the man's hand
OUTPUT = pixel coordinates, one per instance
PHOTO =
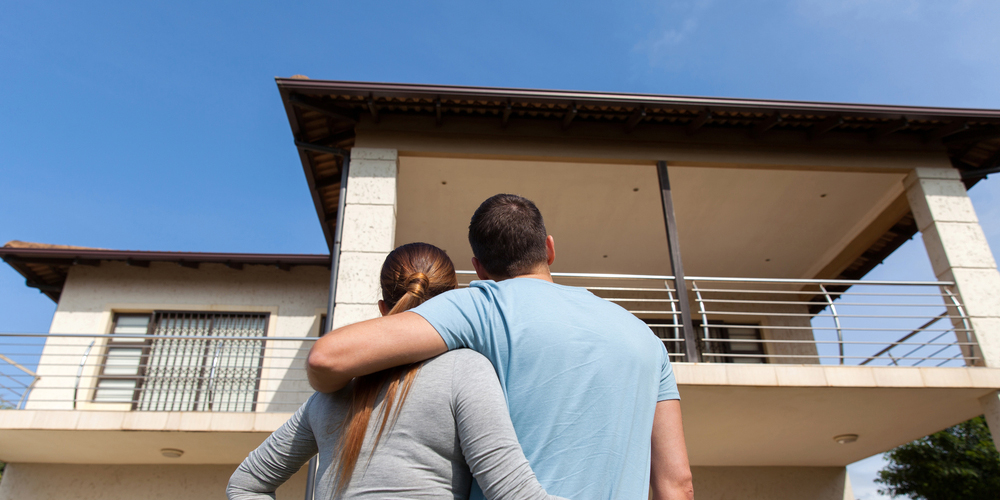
(371, 346)
(671, 473)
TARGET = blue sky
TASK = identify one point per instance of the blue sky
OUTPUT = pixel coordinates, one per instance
(157, 125)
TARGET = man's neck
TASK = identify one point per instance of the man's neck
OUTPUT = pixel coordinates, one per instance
(540, 273)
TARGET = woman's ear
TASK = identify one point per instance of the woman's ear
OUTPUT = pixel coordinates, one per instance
(382, 308)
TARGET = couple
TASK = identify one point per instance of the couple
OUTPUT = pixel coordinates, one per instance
(589, 389)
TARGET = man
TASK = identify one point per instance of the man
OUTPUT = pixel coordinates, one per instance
(587, 383)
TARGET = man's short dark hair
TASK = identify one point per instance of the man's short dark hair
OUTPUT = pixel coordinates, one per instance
(507, 235)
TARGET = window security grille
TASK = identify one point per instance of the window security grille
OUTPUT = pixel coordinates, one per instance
(218, 373)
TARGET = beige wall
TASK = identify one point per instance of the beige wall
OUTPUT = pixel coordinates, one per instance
(294, 299)
(127, 482)
(772, 483)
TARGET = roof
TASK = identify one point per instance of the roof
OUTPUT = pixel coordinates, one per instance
(323, 114)
(46, 266)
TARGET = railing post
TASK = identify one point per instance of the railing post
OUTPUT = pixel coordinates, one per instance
(691, 353)
(836, 321)
(79, 373)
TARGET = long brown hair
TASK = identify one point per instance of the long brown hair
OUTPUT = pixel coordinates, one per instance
(411, 274)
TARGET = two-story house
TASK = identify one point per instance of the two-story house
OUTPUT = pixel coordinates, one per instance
(740, 230)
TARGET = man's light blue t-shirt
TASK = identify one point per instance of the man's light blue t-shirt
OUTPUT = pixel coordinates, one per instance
(582, 377)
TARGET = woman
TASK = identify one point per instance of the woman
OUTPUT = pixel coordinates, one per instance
(418, 431)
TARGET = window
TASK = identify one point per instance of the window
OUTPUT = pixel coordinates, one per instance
(122, 370)
(741, 342)
(184, 361)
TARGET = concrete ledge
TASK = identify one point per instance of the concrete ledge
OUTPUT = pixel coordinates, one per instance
(720, 374)
(168, 421)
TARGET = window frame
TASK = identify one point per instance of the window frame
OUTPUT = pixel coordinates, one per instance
(147, 346)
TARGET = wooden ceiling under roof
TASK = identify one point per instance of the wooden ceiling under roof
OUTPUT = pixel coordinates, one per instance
(323, 116)
(46, 266)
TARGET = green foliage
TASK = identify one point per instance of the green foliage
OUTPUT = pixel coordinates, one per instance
(960, 462)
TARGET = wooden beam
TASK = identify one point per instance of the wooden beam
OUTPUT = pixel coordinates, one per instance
(188, 264)
(234, 265)
(699, 121)
(889, 128)
(283, 266)
(949, 129)
(326, 182)
(820, 129)
(691, 354)
(637, 116)
(333, 139)
(767, 124)
(372, 108)
(321, 149)
(136, 263)
(568, 117)
(311, 104)
(507, 110)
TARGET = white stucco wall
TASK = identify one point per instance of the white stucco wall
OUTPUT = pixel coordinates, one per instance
(128, 482)
(772, 483)
(92, 295)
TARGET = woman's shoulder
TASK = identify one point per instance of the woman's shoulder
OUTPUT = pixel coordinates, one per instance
(461, 365)
(459, 358)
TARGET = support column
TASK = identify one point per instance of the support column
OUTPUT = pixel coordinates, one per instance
(691, 353)
(991, 410)
(959, 252)
(369, 231)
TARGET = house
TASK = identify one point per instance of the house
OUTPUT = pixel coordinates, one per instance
(739, 230)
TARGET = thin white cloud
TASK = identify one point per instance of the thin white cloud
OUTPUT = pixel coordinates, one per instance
(664, 45)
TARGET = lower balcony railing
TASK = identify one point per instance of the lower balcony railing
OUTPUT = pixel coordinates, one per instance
(733, 320)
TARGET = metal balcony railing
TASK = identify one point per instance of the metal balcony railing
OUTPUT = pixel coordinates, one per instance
(796, 321)
(734, 320)
(846, 322)
(164, 373)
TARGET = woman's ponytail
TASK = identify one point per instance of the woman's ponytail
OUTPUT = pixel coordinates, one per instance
(411, 274)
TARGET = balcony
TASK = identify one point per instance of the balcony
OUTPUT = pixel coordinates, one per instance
(759, 361)
(733, 320)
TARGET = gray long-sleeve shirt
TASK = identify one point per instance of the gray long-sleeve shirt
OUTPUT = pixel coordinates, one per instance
(455, 414)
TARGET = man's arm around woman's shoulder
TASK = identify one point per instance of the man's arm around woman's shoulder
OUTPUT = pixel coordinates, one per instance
(371, 346)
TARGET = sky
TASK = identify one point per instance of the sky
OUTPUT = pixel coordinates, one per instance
(158, 126)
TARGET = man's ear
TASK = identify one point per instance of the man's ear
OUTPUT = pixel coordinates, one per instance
(550, 249)
(480, 270)
(382, 308)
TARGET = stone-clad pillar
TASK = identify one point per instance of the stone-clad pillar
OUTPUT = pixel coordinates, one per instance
(369, 233)
(960, 253)
(958, 250)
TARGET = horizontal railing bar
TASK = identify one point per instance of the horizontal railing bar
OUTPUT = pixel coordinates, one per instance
(155, 337)
(819, 282)
(806, 315)
(817, 292)
(818, 356)
(808, 303)
(742, 280)
(628, 289)
(831, 328)
(593, 275)
(655, 301)
(846, 342)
